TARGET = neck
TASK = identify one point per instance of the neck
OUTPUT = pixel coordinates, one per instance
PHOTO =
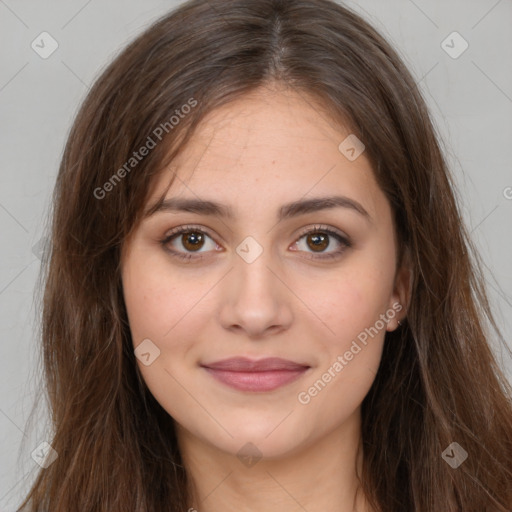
(318, 477)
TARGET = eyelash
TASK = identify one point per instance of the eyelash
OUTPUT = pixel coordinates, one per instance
(316, 229)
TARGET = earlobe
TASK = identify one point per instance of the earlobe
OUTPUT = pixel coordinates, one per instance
(401, 297)
(393, 315)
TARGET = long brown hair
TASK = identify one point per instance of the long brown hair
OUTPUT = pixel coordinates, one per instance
(438, 381)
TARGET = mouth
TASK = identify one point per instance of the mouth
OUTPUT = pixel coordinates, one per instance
(261, 375)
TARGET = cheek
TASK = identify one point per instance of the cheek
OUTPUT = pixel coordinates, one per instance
(352, 353)
(165, 308)
(351, 303)
(349, 358)
(352, 306)
(159, 308)
(157, 301)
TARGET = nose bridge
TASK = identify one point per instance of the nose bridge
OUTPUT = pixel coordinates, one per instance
(256, 300)
(252, 266)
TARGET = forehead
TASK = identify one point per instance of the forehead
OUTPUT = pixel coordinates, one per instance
(280, 145)
(280, 122)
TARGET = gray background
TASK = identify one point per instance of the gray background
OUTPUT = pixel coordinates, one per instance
(470, 99)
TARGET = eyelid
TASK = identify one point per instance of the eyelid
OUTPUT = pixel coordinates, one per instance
(323, 228)
(188, 228)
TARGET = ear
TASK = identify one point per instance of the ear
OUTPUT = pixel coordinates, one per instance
(402, 290)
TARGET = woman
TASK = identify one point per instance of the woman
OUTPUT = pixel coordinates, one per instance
(260, 293)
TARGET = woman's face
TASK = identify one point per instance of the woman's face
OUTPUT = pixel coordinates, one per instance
(264, 272)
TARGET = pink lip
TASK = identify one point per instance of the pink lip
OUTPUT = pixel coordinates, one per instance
(250, 375)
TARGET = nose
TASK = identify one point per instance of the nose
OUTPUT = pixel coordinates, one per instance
(256, 299)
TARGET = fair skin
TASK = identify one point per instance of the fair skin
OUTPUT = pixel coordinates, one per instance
(254, 155)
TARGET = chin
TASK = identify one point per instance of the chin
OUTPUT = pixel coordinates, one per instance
(259, 439)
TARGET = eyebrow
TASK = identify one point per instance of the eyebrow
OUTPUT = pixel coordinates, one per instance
(288, 210)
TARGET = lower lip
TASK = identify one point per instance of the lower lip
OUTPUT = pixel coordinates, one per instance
(256, 381)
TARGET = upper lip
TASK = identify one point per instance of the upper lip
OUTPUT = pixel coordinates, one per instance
(244, 364)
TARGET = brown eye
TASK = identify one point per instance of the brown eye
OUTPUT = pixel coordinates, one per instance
(318, 241)
(192, 240)
(187, 240)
